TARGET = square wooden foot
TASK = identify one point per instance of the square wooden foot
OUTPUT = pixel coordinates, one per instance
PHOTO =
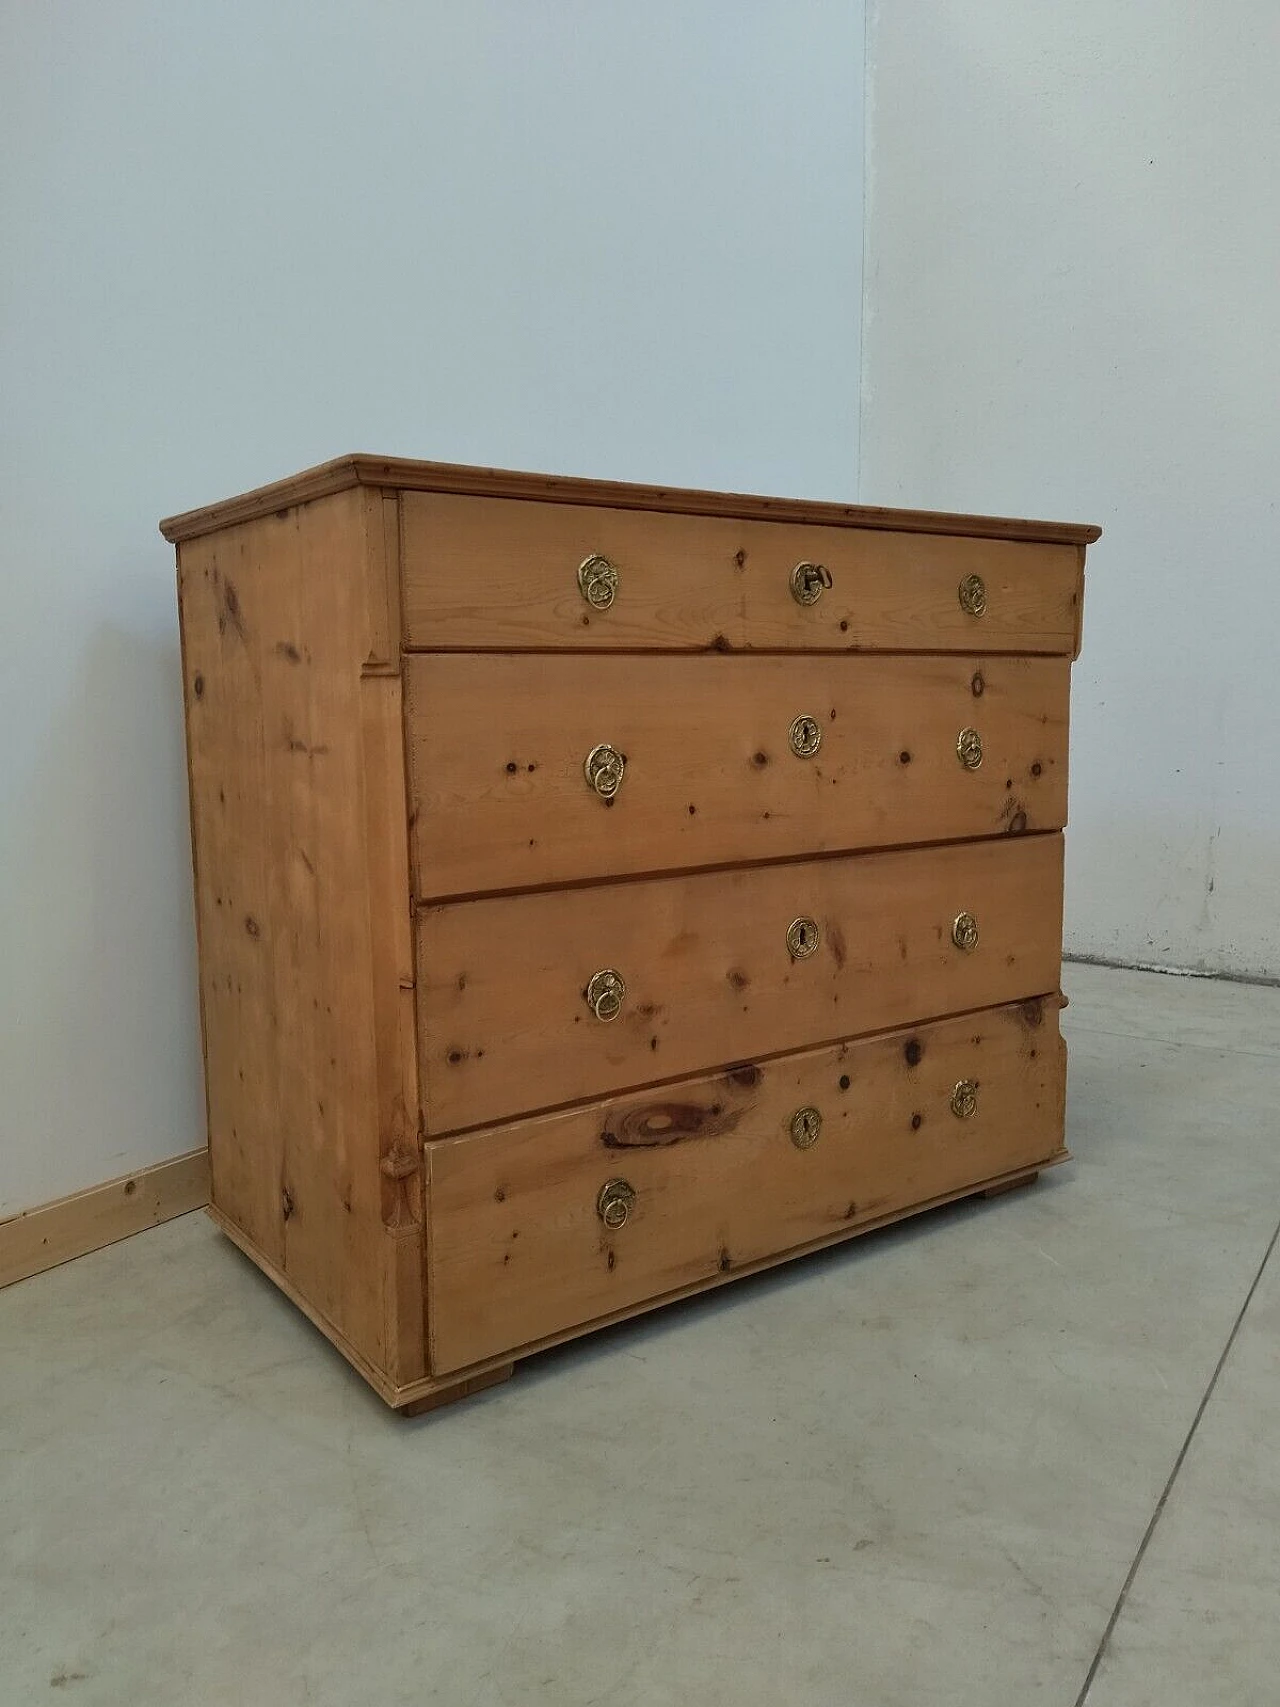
(1012, 1184)
(459, 1390)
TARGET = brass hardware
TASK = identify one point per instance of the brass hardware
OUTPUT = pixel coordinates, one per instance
(969, 748)
(605, 993)
(806, 737)
(973, 595)
(604, 768)
(964, 1099)
(803, 937)
(806, 1126)
(613, 1205)
(598, 581)
(964, 932)
(808, 581)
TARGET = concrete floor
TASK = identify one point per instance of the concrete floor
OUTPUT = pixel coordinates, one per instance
(922, 1468)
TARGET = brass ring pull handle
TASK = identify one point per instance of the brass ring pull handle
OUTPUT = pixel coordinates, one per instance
(604, 993)
(613, 1205)
(964, 932)
(808, 582)
(805, 1126)
(803, 937)
(598, 581)
(604, 768)
(805, 737)
(969, 749)
(972, 593)
(964, 1100)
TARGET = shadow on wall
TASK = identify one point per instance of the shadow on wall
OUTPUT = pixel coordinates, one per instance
(102, 1059)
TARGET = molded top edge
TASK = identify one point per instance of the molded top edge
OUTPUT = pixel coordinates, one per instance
(407, 475)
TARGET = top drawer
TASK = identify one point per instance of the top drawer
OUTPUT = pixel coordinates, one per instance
(504, 573)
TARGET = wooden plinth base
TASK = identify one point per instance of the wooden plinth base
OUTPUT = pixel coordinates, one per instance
(460, 1390)
(1012, 1184)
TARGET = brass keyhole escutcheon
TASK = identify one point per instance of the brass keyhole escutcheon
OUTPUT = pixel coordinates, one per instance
(973, 595)
(806, 737)
(805, 1126)
(969, 749)
(604, 768)
(964, 932)
(604, 994)
(808, 582)
(598, 581)
(613, 1205)
(964, 1100)
(803, 938)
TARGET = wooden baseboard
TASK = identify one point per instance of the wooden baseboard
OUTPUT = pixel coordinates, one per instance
(55, 1232)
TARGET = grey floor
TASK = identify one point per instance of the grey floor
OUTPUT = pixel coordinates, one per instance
(1024, 1451)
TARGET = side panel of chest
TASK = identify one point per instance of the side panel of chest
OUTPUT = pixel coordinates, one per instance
(300, 843)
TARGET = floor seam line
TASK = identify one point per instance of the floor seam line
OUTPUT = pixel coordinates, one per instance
(1092, 1674)
(1070, 1026)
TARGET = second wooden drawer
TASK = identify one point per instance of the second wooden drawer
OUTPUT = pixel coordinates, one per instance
(708, 761)
(514, 992)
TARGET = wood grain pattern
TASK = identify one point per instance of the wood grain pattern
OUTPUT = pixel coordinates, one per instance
(359, 468)
(496, 748)
(54, 1233)
(297, 786)
(517, 1250)
(404, 883)
(451, 1393)
(487, 574)
(446, 1387)
(504, 1028)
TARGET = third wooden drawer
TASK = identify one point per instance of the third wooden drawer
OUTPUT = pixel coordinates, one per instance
(514, 992)
(555, 1222)
(528, 770)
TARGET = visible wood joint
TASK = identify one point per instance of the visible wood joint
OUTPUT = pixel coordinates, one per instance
(399, 1164)
(382, 581)
(459, 1390)
(401, 1168)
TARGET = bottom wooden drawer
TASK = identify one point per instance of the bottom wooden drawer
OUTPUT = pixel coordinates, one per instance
(706, 1176)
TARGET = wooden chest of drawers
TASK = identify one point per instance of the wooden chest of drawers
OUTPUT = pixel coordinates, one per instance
(603, 892)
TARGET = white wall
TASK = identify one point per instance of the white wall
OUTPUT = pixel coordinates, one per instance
(1073, 309)
(239, 238)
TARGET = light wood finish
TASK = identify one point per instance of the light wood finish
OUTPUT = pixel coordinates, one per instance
(54, 1233)
(451, 1393)
(403, 885)
(446, 1387)
(497, 743)
(297, 781)
(504, 1026)
(407, 475)
(1015, 1184)
(490, 574)
(517, 1249)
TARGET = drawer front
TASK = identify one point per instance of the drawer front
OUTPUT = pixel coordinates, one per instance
(499, 573)
(719, 967)
(706, 761)
(707, 1177)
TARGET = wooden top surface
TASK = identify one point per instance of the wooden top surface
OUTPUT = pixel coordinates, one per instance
(363, 470)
